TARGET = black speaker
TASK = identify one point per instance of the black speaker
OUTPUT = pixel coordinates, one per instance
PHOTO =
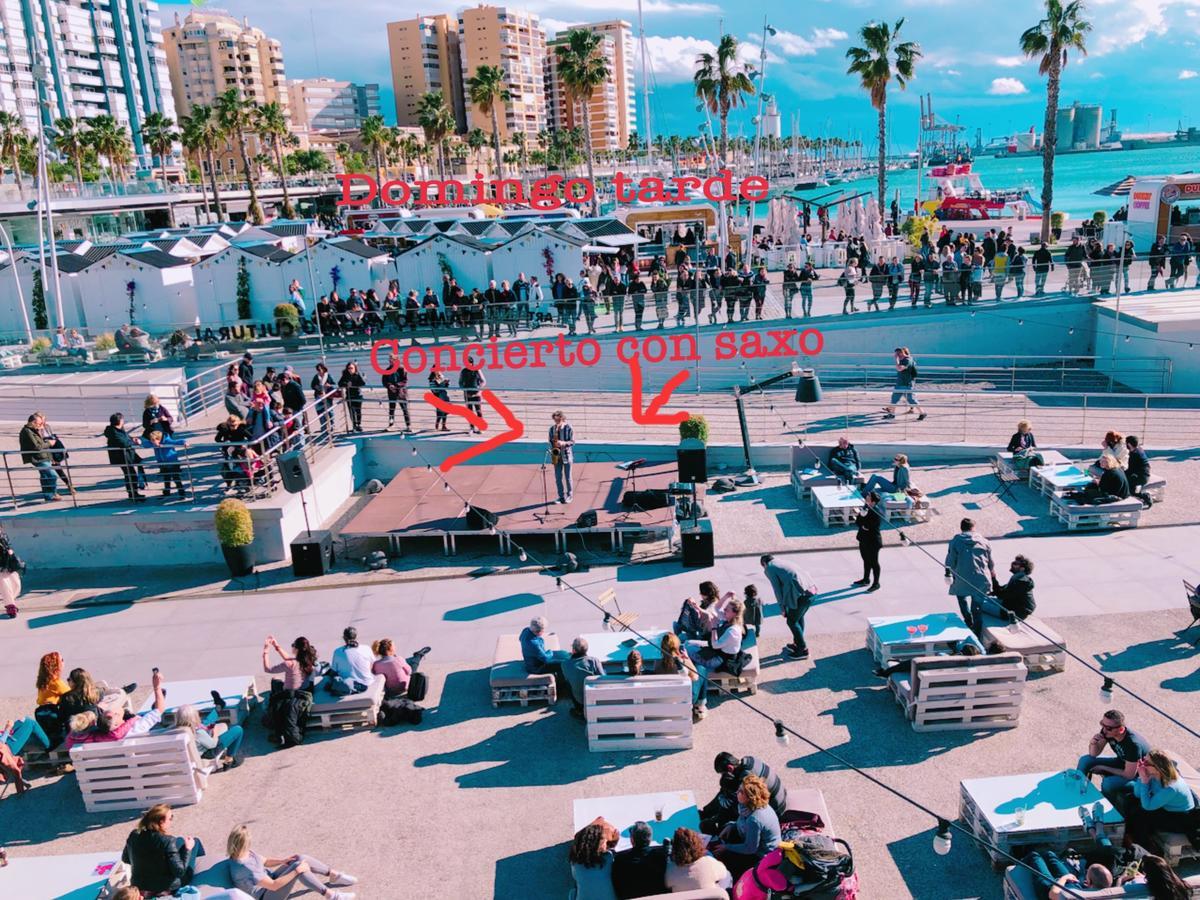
(692, 459)
(312, 553)
(586, 519)
(697, 544)
(479, 518)
(645, 500)
(294, 471)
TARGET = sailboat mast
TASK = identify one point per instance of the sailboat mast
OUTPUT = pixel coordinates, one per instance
(649, 128)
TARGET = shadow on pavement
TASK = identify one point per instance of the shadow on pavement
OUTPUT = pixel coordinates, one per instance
(545, 868)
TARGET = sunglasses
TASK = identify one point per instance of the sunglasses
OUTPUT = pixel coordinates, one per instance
(1106, 727)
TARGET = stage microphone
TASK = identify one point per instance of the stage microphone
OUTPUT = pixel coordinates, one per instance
(632, 465)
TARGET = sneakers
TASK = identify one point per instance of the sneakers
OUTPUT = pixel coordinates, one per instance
(218, 700)
(1085, 817)
(861, 582)
(339, 895)
(344, 879)
(130, 688)
(699, 713)
(873, 588)
(1098, 812)
(921, 417)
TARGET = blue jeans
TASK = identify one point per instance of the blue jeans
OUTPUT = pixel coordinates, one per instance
(1111, 786)
(981, 605)
(878, 483)
(703, 670)
(22, 731)
(905, 393)
(1049, 866)
(340, 686)
(47, 476)
(231, 740)
(562, 479)
(844, 471)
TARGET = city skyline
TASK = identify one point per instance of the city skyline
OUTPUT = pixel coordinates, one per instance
(1140, 62)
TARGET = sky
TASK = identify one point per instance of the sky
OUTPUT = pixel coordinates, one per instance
(1143, 59)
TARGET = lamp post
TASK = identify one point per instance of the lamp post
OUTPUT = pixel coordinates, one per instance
(809, 391)
(12, 261)
(762, 79)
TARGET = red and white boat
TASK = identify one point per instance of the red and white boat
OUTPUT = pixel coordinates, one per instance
(956, 193)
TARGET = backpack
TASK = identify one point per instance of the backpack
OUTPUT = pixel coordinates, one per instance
(400, 711)
(418, 684)
(816, 864)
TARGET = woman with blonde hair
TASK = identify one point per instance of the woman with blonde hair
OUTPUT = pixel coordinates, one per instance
(272, 878)
(723, 645)
(1161, 801)
(755, 833)
(160, 863)
(1022, 443)
(156, 417)
(900, 481)
(212, 739)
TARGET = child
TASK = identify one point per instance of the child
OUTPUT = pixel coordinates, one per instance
(753, 609)
(168, 461)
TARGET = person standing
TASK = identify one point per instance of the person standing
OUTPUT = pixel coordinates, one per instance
(471, 380)
(1157, 256)
(562, 440)
(121, 453)
(906, 377)
(322, 386)
(870, 542)
(11, 568)
(1043, 265)
(395, 382)
(1000, 269)
(296, 295)
(36, 451)
(791, 284)
(438, 383)
(1016, 268)
(1075, 256)
(969, 568)
(156, 417)
(794, 591)
(637, 295)
(351, 383)
(760, 283)
(848, 281)
(246, 369)
(895, 276)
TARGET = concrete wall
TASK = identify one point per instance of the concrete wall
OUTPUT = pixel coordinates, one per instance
(175, 535)
(1149, 339)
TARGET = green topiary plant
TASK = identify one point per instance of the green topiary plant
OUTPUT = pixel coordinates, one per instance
(106, 341)
(1058, 220)
(243, 289)
(287, 317)
(41, 320)
(694, 427)
(39, 345)
(1099, 217)
(235, 528)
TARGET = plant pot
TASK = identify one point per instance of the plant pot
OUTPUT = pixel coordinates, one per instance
(239, 559)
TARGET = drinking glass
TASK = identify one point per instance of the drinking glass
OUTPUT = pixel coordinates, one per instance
(1019, 816)
(658, 813)
(922, 628)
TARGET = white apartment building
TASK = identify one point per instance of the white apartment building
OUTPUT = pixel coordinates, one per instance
(325, 104)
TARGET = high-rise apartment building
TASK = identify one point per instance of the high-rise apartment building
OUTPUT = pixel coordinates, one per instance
(621, 68)
(425, 57)
(514, 41)
(323, 104)
(210, 52)
(100, 58)
(602, 108)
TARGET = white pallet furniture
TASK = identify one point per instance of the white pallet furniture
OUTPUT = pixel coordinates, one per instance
(1051, 800)
(1176, 846)
(808, 472)
(900, 507)
(1040, 653)
(509, 681)
(1019, 884)
(333, 711)
(1054, 480)
(837, 505)
(238, 692)
(961, 693)
(663, 812)
(892, 639)
(747, 681)
(647, 712)
(140, 771)
(1119, 513)
(1021, 465)
(76, 875)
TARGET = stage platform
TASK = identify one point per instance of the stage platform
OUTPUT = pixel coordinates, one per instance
(414, 504)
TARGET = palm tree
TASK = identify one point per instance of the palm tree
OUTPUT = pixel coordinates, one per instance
(583, 69)
(882, 58)
(111, 141)
(437, 121)
(72, 142)
(272, 127)
(723, 83)
(1049, 41)
(202, 134)
(543, 142)
(237, 117)
(374, 137)
(521, 142)
(12, 137)
(158, 131)
(488, 88)
(477, 139)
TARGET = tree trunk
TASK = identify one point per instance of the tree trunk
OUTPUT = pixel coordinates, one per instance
(587, 144)
(1049, 137)
(212, 180)
(724, 148)
(16, 167)
(882, 173)
(288, 211)
(78, 160)
(496, 140)
(204, 200)
(254, 211)
(378, 178)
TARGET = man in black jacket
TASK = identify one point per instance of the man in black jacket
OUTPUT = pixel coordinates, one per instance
(641, 870)
(1075, 257)
(1043, 265)
(246, 370)
(1137, 469)
(292, 393)
(1015, 597)
(395, 383)
(35, 451)
(723, 808)
(160, 863)
(1157, 255)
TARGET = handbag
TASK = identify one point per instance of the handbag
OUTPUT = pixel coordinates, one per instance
(58, 450)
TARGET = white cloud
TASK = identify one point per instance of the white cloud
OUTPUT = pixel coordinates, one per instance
(791, 44)
(1118, 24)
(953, 72)
(1009, 62)
(673, 59)
(1188, 74)
(1007, 87)
(555, 26)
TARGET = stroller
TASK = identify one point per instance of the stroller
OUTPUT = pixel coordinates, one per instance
(811, 865)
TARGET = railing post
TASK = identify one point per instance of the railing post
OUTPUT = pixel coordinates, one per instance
(187, 464)
(1083, 424)
(1145, 415)
(963, 400)
(12, 492)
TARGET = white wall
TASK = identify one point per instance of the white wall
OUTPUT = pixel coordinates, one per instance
(525, 255)
(419, 268)
(355, 272)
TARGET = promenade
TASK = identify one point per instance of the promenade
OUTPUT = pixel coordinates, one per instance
(476, 802)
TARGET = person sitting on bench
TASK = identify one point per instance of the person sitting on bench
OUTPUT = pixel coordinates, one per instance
(843, 460)
(160, 863)
(1161, 801)
(578, 667)
(1117, 771)
(1110, 486)
(754, 834)
(538, 660)
(350, 666)
(1137, 469)
(1022, 443)
(965, 647)
(723, 808)
(91, 728)
(1057, 873)
(395, 671)
(1015, 597)
(724, 644)
(273, 878)
(900, 482)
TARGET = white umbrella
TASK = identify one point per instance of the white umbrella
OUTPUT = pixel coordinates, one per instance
(772, 224)
(857, 217)
(874, 226)
(792, 231)
(842, 220)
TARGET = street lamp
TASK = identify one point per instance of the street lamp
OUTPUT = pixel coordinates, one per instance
(762, 79)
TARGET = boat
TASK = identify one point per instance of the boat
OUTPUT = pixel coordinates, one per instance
(956, 193)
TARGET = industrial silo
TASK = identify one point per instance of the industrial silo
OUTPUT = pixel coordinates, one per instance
(1088, 120)
(1064, 139)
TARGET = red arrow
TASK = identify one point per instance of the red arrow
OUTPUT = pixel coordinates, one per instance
(651, 415)
(516, 428)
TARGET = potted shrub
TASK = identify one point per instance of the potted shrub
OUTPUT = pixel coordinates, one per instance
(287, 320)
(695, 427)
(104, 345)
(235, 532)
(37, 347)
(1057, 221)
(1099, 217)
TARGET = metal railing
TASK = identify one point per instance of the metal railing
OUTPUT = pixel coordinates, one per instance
(207, 470)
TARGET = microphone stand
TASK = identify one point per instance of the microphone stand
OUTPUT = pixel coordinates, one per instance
(542, 516)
